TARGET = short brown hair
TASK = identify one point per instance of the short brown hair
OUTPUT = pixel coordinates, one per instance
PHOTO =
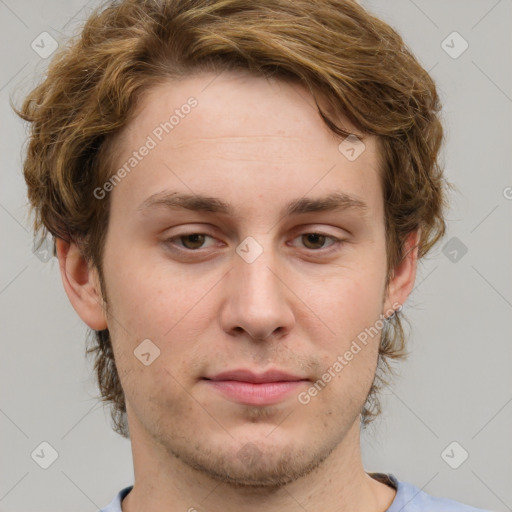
(352, 61)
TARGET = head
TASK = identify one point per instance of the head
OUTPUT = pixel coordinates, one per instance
(266, 99)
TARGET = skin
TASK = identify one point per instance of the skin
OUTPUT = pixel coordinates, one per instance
(258, 145)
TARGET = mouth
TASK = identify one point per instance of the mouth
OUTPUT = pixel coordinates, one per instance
(249, 388)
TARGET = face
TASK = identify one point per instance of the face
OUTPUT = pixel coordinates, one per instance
(250, 252)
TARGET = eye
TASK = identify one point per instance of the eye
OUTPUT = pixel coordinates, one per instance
(190, 241)
(316, 241)
(196, 241)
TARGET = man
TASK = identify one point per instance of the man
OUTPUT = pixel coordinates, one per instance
(240, 193)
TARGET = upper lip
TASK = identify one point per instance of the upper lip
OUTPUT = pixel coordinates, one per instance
(249, 376)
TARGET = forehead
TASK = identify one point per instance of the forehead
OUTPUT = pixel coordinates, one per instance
(243, 133)
(233, 103)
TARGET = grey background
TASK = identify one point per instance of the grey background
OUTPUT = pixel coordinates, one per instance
(457, 383)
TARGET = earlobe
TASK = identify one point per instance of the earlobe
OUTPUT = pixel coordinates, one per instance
(402, 282)
(81, 284)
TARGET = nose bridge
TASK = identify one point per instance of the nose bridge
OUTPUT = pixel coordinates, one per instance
(258, 284)
(257, 301)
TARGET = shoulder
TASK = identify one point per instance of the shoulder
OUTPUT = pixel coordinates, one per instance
(411, 499)
(115, 504)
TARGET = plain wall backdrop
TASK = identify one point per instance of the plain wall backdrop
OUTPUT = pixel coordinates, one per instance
(456, 387)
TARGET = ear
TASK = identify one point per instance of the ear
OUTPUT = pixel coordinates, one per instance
(402, 281)
(81, 283)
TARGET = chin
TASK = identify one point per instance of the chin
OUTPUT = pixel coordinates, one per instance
(255, 465)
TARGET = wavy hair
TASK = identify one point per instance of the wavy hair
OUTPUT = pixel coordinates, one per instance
(351, 62)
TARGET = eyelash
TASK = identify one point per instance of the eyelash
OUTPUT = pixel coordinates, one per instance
(336, 242)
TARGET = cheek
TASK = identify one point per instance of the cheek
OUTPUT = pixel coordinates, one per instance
(150, 300)
(348, 364)
(145, 309)
(163, 306)
(347, 301)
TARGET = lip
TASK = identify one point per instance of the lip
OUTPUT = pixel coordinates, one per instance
(243, 375)
(246, 387)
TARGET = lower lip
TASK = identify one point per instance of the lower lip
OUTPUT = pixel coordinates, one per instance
(256, 393)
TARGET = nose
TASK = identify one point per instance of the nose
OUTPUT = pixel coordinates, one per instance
(258, 301)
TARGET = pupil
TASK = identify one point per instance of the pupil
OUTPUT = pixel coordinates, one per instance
(193, 241)
(314, 239)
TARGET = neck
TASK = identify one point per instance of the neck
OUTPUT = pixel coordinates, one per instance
(339, 483)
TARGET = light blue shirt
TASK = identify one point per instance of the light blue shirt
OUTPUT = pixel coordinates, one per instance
(408, 499)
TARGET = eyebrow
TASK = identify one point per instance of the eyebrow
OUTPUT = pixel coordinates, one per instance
(336, 201)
